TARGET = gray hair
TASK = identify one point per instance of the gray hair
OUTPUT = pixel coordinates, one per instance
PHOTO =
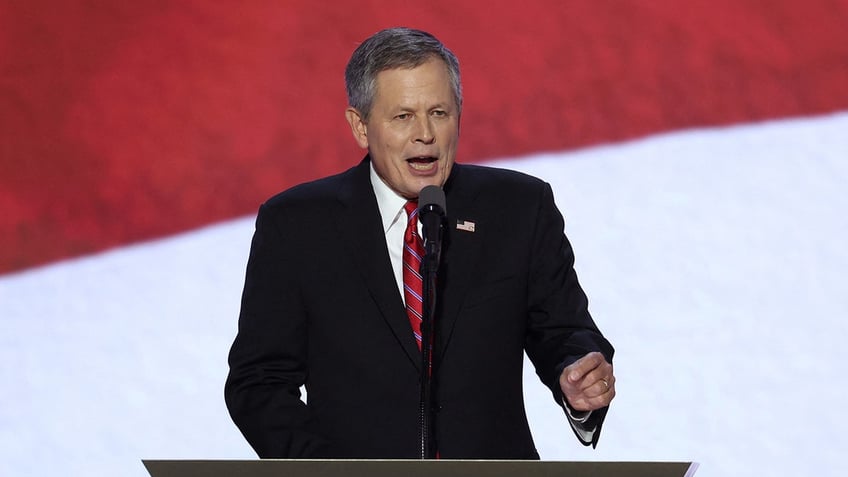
(390, 49)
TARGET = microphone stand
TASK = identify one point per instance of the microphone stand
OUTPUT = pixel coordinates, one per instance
(429, 270)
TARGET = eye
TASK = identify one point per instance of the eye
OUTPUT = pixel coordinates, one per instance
(403, 116)
(439, 113)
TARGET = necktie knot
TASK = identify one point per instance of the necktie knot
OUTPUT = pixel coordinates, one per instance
(411, 208)
(411, 234)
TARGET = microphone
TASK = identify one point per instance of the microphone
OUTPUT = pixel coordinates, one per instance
(431, 214)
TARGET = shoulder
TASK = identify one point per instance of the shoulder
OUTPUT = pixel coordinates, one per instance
(318, 194)
(494, 181)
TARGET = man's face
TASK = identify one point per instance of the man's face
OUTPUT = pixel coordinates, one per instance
(413, 130)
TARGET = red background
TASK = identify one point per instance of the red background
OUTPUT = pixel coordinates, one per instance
(124, 121)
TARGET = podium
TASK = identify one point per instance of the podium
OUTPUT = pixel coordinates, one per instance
(413, 468)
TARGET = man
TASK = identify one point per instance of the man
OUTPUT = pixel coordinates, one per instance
(323, 303)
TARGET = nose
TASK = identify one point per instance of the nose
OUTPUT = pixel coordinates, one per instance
(424, 132)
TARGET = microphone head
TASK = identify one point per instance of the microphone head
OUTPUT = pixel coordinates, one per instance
(432, 195)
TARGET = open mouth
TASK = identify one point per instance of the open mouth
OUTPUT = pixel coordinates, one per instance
(422, 163)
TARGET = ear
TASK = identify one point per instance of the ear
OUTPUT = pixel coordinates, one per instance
(358, 127)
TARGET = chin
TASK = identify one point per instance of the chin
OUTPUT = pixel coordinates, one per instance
(423, 184)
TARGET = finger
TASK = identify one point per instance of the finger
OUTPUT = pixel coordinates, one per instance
(601, 401)
(586, 401)
(592, 388)
(578, 369)
(600, 387)
(599, 379)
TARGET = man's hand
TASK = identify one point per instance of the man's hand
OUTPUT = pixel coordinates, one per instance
(588, 384)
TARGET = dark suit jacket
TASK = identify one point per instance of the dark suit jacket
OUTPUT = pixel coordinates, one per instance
(321, 307)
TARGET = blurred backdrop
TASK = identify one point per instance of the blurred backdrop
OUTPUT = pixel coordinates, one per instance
(699, 152)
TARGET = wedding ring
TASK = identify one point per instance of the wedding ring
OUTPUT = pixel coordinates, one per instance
(605, 383)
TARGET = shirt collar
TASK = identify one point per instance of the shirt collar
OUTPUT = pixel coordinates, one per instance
(389, 202)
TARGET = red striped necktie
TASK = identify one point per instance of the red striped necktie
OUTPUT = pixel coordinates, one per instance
(413, 285)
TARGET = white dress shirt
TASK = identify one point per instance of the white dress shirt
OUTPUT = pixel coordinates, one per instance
(394, 218)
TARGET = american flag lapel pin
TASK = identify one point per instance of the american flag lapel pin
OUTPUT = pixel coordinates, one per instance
(465, 225)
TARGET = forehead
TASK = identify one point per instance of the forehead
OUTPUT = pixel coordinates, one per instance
(430, 81)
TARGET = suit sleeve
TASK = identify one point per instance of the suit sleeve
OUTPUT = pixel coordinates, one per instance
(560, 328)
(268, 357)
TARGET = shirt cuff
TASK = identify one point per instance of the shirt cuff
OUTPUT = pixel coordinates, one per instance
(578, 419)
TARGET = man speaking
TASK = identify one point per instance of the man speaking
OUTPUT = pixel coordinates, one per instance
(333, 293)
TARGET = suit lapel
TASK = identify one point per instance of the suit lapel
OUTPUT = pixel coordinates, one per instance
(461, 253)
(359, 222)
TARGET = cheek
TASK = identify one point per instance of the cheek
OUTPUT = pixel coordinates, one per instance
(392, 145)
(451, 133)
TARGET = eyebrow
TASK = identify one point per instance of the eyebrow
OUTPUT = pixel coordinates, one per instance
(403, 107)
